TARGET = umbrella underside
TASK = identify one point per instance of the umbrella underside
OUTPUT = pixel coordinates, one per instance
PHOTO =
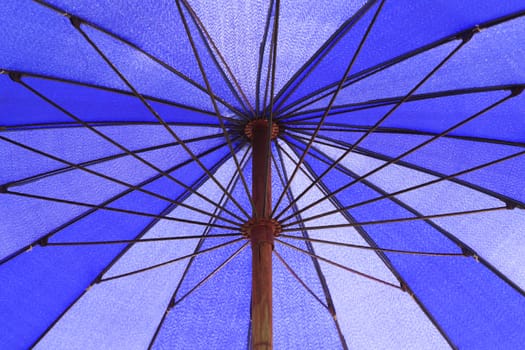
(370, 153)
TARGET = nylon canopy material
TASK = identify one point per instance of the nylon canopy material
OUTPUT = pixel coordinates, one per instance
(393, 160)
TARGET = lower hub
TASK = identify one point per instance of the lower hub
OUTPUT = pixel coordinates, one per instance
(261, 229)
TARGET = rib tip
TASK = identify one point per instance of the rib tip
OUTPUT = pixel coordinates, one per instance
(15, 76)
(75, 21)
(517, 90)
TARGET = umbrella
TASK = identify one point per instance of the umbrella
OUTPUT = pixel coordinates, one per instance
(224, 175)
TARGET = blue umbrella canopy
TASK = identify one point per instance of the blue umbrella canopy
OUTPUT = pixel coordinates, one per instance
(391, 167)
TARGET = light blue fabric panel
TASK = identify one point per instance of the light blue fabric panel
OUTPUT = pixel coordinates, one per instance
(57, 276)
(364, 306)
(33, 34)
(225, 20)
(216, 315)
(130, 294)
(480, 231)
(452, 274)
(393, 81)
(40, 216)
(432, 115)
(329, 64)
(292, 304)
(14, 170)
(303, 29)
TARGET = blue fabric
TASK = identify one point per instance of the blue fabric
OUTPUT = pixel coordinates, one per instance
(459, 302)
(440, 280)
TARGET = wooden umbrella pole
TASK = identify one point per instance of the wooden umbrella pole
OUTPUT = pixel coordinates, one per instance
(261, 232)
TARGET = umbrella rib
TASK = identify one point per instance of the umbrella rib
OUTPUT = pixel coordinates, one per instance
(109, 89)
(171, 261)
(215, 107)
(322, 279)
(404, 285)
(272, 54)
(210, 275)
(467, 251)
(142, 240)
(262, 48)
(400, 131)
(222, 200)
(115, 143)
(267, 161)
(377, 249)
(286, 227)
(362, 232)
(138, 49)
(330, 104)
(109, 178)
(77, 25)
(294, 274)
(410, 151)
(331, 262)
(321, 53)
(311, 98)
(118, 210)
(396, 106)
(19, 127)
(375, 103)
(96, 279)
(46, 237)
(440, 177)
(122, 252)
(43, 175)
(209, 39)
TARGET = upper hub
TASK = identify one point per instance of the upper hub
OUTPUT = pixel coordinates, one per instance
(248, 128)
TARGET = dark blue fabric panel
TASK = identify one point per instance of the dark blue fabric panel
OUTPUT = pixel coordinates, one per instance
(20, 106)
(41, 284)
(91, 105)
(436, 115)
(407, 25)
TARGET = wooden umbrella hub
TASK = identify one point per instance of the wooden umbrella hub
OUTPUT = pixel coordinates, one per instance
(260, 123)
(259, 230)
